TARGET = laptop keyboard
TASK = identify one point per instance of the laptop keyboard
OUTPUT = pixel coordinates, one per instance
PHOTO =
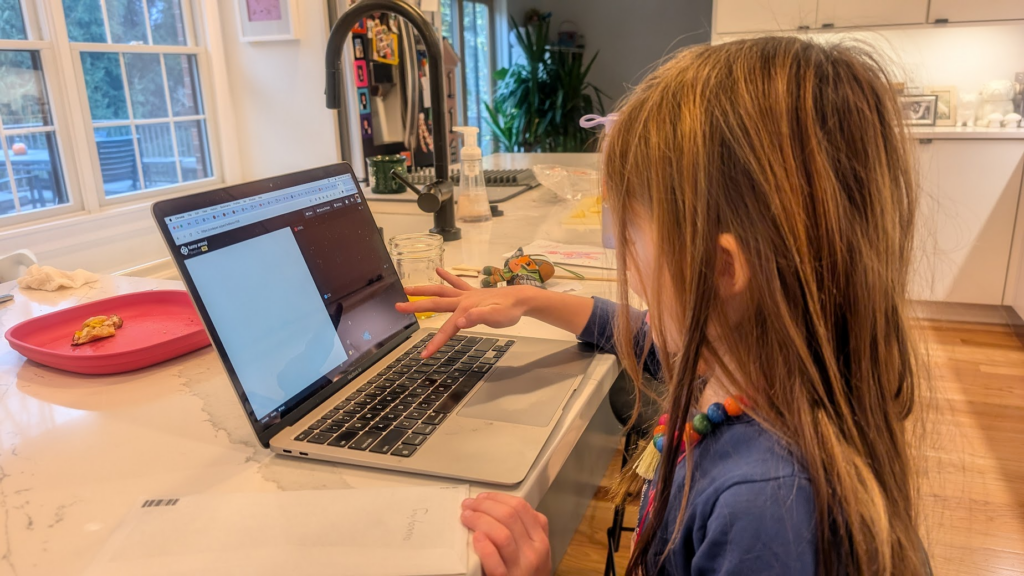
(399, 407)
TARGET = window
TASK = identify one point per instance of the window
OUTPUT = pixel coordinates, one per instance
(31, 175)
(467, 24)
(476, 58)
(133, 69)
(142, 84)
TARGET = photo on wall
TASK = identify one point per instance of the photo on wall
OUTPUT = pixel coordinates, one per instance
(362, 78)
(945, 106)
(364, 100)
(919, 109)
(357, 47)
(366, 126)
(360, 27)
(266, 20)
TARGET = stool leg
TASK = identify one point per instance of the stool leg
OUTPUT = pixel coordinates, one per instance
(609, 561)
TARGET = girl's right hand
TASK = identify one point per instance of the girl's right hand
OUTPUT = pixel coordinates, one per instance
(497, 308)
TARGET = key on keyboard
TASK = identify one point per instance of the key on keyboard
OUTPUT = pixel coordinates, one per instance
(388, 442)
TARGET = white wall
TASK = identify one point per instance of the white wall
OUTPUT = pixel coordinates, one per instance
(632, 36)
(278, 93)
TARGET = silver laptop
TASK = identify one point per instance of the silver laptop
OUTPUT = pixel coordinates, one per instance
(297, 291)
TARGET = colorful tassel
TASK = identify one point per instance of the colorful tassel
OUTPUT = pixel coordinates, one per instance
(647, 465)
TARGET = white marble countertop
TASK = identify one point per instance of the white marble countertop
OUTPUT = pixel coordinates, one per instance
(76, 452)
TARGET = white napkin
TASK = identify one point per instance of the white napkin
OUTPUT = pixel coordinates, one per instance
(49, 278)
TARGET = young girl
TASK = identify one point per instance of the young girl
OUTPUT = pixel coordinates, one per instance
(764, 199)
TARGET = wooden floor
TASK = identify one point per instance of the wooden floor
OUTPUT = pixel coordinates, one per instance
(971, 460)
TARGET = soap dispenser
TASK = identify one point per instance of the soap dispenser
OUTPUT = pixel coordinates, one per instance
(473, 205)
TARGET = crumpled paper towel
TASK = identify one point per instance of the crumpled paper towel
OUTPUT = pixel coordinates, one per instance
(49, 278)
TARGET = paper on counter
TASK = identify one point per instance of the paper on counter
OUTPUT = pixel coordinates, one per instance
(387, 531)
(572, 254)
(563, 286)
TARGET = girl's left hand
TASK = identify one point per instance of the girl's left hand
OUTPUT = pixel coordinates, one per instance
(509, 536)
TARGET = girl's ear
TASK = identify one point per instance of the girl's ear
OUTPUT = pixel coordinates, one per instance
(733, 272)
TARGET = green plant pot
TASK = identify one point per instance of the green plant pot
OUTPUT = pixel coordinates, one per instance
(383, 181)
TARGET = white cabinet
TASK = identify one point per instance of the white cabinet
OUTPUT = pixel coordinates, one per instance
(732, 16)
(847, 13)
(969, 193)
(763, 15)
(975, 10)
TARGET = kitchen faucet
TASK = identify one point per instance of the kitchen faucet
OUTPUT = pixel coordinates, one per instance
(437, 197)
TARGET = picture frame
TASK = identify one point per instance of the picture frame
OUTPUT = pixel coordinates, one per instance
(919, 109)
(385, 45)
(363, 95)
(360, 28)
(358, 47)
(361, 74)
(945, 108)
(366, 126)
(267, 20)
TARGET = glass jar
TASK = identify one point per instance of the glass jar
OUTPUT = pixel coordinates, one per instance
(417, 258)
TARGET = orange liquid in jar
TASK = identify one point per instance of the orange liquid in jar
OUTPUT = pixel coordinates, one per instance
(422, 315)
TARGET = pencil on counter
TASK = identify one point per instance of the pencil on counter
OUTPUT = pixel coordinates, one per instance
(473, 271)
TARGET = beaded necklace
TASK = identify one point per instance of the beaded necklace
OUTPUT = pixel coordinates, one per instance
(700, 425)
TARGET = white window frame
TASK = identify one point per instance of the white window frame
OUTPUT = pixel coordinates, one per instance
(38, 41)
(497, 11)
(65, 87)
(192, 47)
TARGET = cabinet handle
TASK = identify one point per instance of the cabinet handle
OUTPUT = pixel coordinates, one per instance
(803, 27)
(924, 141)
(942, 20)
(828, 25)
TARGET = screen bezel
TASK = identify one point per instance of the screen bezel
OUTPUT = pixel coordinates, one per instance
(166, 208)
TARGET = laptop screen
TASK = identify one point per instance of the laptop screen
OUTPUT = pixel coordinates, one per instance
(296, 285)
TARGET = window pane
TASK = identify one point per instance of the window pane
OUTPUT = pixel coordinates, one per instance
(146, 85)
(166, 21)
(85, 21)
(477, 41)
(37, 174)
(193, 151)
(127, 21)
(159, 165)
(104, 86)
(183, 84)
(447, 24)
(23, 100)
(115, 147)
(12, 25)
(6, 191)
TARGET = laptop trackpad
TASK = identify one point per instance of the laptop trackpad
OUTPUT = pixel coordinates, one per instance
(517, 396)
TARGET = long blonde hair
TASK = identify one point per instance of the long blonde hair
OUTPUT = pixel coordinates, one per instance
(799, 151)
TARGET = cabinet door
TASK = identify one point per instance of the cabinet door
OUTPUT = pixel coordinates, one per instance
(763, 15)
(922, 264)
(963, 11)
(978, 183)
(844, 13)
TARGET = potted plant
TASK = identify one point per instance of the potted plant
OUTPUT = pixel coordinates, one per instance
(539, 99)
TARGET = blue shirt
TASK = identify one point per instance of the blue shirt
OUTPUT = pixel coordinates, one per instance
(751, 509)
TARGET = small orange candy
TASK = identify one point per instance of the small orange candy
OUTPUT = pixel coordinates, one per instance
(733, 407)
(660, 429)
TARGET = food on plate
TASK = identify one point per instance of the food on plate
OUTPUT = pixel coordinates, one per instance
(96, 328)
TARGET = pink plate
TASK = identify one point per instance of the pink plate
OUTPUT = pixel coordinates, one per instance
(158, 325)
